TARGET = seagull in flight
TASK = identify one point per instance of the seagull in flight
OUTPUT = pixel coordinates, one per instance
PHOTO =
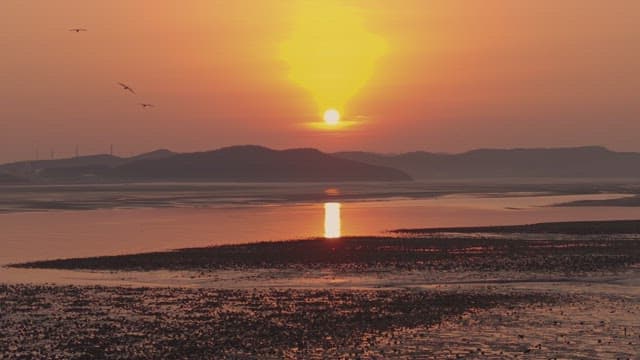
(77, 30)
(126, 87)
(144, 105)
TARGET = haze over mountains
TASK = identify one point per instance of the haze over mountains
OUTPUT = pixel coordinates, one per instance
(252, 163)
(577, 162)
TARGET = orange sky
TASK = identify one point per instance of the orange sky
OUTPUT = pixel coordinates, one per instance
(454, 75)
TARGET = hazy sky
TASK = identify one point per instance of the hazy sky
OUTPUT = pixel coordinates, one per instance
(439, 75)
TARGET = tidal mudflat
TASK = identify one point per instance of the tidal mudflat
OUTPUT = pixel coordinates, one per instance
(488, 322)
(555, 290)
(121, 322)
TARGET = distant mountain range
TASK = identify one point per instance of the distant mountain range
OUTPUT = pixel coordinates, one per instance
(91, 160)
(577, 162)
(237, 163)
(251, 163)
(24, 171)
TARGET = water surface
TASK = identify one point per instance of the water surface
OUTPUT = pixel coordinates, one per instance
(28, 236)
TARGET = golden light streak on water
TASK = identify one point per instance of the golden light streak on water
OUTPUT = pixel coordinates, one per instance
(332, 226)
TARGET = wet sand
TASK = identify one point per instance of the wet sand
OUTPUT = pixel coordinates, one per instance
(630, 201)
(421, 250)
(486, 323)
(560, 290)
(129, 322)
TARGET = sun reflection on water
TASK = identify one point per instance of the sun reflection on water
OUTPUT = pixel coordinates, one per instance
(332, 220)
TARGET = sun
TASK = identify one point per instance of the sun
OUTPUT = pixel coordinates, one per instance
(332, 54)
(331, 117)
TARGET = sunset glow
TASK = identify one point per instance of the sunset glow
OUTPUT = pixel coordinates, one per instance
(331, 53)
(442, 76)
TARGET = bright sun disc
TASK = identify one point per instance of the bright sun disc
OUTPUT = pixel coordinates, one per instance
(331, 117)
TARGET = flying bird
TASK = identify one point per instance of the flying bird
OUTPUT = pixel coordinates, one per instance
(126, 87)
(77, 30)
(144, 106)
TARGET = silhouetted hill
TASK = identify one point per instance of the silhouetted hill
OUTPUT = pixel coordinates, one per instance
(38, 165)
(256, 163)
(11, 179)
(76, 173)
(76, 166)
(579, 162)
(156, 154)
(237, 163)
